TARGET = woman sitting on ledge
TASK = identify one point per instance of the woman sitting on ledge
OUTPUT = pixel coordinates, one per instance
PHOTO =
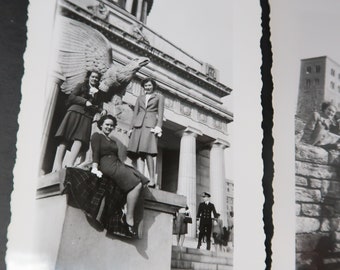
(322, 128)
(106, 162)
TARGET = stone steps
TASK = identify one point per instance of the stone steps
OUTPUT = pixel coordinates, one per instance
(195, 259)
(332, 261)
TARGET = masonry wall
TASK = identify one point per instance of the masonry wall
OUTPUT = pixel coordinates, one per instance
(317, 207)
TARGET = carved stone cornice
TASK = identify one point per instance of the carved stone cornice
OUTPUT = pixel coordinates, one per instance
(121, 37)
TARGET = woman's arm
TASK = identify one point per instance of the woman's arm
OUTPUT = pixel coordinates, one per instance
(135, 112)
(95, 145)
(160, 111)
(76, 98)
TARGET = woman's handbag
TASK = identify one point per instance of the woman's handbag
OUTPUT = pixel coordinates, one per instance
(187, 219)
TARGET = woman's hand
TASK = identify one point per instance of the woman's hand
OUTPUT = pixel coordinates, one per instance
(103, 113)
(97, 172)
(157, 131)
(88, 103)
(129, 133)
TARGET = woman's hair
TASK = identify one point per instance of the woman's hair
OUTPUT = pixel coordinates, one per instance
(103, 118)
(89, 72)
(148, 79)
(326, 104)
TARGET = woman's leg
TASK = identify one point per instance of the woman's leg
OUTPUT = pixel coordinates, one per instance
(131, 200)
(76, 146)
(59, 156)
(182, 237)
(178, 238)
(151, 169)
(139, 164)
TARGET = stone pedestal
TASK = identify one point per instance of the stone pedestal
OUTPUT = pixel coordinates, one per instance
(77, 245)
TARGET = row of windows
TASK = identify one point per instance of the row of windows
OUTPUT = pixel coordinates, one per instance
(310, 82)
(309, 70)
(332, 85)
(316, 82)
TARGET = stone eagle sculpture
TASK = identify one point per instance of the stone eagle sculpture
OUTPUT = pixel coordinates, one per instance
(82, 49)
(115, 79)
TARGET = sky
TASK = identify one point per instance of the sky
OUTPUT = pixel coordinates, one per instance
(299, 29)
(189, 25)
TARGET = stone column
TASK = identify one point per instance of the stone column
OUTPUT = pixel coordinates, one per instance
(144, 12)
(217, 177)
(187, 173)
(139, 9)
(52, 89)
(128, 5)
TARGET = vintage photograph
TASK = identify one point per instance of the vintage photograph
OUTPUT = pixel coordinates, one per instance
(307, 104)
(133, 106)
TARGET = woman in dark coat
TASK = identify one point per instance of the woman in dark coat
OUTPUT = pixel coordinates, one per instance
(74, 131)
(146, 127)
(106, 160)
(180, 227)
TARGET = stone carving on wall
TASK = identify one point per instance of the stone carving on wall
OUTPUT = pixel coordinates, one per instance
(99, 11)
(137, 32)
(202, 117)
(169, 103)
(185, 110)
(77, 57)
(217, 124)
(115, 79)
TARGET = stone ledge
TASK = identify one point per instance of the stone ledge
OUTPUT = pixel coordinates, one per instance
(307, 242)
(158, 200)
(310, 153)
(314, 170)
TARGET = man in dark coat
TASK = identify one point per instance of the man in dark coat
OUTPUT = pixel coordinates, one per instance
(205, 221)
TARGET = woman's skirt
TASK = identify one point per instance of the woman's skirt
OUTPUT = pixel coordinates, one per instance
(100, 199)
(142, 142)
(124, 176)
(75, 126)
(179, 226)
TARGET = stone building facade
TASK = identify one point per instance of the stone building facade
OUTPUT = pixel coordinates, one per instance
(195, 129)
(319, 81)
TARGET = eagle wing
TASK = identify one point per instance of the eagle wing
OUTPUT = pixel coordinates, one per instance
(80, 49)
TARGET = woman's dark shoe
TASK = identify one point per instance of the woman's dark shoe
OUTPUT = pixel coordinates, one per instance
(152, 186)
(130, 231)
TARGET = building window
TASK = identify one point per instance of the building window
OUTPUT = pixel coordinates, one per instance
(308, 83)
(332, 72)
(332, 85)
(308, 69)
(317, 81)
(317, 68)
